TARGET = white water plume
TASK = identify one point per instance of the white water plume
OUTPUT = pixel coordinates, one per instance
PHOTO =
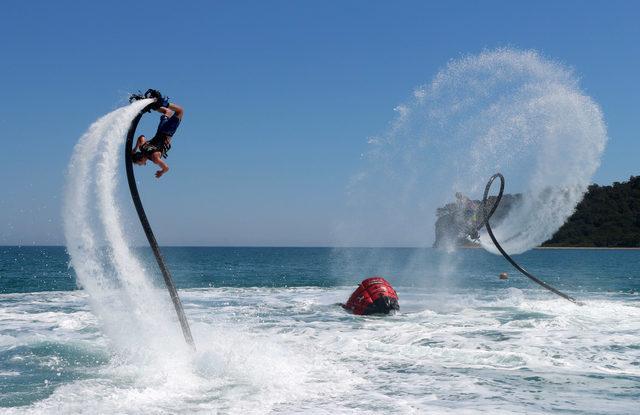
(151, 365)
(134, 313)
(504, 110)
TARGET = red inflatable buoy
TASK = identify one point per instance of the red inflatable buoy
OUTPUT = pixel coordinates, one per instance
(373, 296)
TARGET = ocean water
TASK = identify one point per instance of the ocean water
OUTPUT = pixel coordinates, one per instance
(270, 335)
(271, 339)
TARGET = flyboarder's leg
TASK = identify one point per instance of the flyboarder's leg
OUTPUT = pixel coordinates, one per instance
(175, 108)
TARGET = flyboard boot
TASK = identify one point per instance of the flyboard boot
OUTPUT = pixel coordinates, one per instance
(161, 100)
(373, 296)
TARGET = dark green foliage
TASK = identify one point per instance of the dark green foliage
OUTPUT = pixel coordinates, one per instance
(608, 216)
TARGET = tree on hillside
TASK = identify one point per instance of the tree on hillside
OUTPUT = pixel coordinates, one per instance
(608, 216)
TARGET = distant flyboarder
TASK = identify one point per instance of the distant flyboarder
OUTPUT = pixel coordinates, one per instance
(373, 296)
(467, 216)
(156, 149)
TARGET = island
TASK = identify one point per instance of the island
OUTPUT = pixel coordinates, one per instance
(607, 217)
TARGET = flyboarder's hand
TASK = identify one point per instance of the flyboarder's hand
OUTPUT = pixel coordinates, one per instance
(163, 166)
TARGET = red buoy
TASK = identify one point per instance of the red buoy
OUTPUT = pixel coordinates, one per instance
(373, 296)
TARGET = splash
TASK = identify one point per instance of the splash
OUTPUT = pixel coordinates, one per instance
(150, 364)
(503, 110)
(133, 312)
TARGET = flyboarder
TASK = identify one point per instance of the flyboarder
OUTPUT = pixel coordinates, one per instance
(156, 149)
(467, 216)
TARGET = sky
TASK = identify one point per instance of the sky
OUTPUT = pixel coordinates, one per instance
(280, 98)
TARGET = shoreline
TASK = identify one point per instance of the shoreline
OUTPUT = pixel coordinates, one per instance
(335, 247)
(621, 248)
(593, 248)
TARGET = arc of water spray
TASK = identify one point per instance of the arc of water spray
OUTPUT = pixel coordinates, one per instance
(135, 195)
(487, 213)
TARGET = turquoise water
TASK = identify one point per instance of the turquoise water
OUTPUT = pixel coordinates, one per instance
(30, 269)
(271, 339)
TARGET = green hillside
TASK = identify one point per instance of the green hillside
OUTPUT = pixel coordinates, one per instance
(608, 216)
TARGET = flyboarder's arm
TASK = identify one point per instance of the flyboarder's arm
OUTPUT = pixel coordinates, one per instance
(157, 159)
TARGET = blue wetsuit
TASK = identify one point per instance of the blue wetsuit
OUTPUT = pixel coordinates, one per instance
(161, 141)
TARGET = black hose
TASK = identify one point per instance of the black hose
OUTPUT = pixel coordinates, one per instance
(186, 331)
(485, 222)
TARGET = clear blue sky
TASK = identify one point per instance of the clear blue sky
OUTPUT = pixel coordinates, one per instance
(280, 98)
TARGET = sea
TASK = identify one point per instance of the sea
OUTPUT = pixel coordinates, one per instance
(271, 337)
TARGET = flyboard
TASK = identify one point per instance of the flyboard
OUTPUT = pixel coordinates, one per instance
(135, 195)
(487, 213)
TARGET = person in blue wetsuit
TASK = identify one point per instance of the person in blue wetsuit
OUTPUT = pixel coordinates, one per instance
(156, 149)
